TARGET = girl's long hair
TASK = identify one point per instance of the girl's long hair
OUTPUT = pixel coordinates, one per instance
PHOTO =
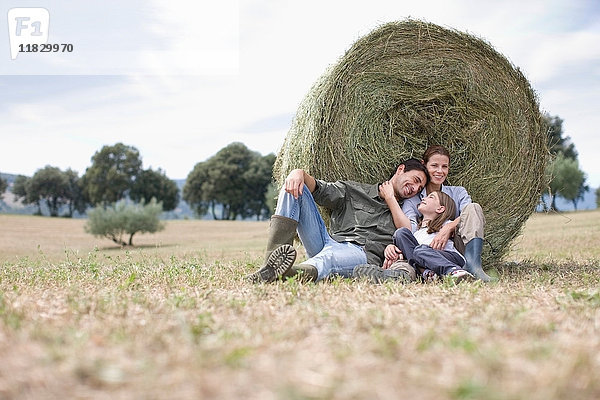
(450, 209)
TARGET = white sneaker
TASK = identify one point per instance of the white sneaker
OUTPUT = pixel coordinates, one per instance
(459, 275)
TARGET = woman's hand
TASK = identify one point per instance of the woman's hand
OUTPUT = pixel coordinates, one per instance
(442, 237)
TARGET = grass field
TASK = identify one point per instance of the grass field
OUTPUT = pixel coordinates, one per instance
(173, 318)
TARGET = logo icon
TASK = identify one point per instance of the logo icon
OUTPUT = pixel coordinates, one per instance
(27, 26)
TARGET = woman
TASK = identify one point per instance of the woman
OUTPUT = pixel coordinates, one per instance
(467, 227)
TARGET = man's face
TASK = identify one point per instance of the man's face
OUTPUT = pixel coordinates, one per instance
(409, 183)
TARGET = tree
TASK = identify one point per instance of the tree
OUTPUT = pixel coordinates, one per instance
(258, 178)
(556, 143)
(3, 187)
(196, 185)
(52, 186)
(235, 178)
(22, 192)
(563, 170)
(74, 197)
(49, 184)
(155, 184)
(567, 180)
(113, 171)
(598, 197)
(124, 218)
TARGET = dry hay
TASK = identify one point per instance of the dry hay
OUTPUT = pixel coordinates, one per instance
(411, 84)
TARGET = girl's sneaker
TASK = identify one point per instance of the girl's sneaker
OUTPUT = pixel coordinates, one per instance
(429, 276)
(459, 275)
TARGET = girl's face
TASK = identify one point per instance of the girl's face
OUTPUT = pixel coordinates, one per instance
(430, 205)
(438, 166)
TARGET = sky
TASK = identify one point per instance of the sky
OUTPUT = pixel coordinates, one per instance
(179, 80)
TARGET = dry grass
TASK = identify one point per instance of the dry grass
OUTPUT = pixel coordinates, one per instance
(175, 319)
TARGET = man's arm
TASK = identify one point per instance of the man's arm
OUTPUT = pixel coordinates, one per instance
(296, 180)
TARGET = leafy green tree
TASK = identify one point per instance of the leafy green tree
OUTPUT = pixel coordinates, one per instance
(22, 192)
(556, 143)
(125, 218)
(271, 198)
(196, 189)
(563, 166)
(52, 186)
(258, 178)
(49, 184)
(155, 184)
(235, 178)
(567, 180)
(113, 171)
(3, 187)
(598, 197)
(74, 196)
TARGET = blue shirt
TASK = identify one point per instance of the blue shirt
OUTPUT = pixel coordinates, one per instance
(458, 193)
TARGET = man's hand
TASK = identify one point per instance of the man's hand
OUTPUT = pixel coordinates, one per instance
(392, 254)
(440, 240)
(294, 183)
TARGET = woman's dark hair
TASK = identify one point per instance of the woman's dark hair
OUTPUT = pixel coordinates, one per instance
(410, 165)
(435, 149)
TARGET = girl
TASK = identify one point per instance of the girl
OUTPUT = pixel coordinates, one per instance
(438, 209)
(468, 221)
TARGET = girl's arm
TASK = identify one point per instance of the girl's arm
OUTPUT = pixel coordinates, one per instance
(400, 219)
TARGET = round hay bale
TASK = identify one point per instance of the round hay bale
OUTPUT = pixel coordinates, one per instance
(411, 84)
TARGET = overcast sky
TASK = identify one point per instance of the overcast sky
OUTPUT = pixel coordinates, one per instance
(179, 80)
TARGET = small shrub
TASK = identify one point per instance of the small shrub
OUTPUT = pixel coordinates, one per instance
(124, 218)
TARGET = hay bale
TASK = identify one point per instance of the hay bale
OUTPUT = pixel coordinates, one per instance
(411, 84)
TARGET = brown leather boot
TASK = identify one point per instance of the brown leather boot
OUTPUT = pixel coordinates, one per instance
(282, 231)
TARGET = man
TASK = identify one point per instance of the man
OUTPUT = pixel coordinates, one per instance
(361, 223)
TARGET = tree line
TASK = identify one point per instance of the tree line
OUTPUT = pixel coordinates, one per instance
(234, 183)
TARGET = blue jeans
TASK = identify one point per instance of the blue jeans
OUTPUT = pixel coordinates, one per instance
(442, 262)
(325, 254)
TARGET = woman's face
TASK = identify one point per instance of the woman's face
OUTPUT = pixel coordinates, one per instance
(438, 166)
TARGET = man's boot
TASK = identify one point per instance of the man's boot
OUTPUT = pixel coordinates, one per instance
(400, 270)
(280, 254)
(473, 257)
(305, 272)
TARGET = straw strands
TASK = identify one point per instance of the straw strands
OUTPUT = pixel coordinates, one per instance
(411, 84)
